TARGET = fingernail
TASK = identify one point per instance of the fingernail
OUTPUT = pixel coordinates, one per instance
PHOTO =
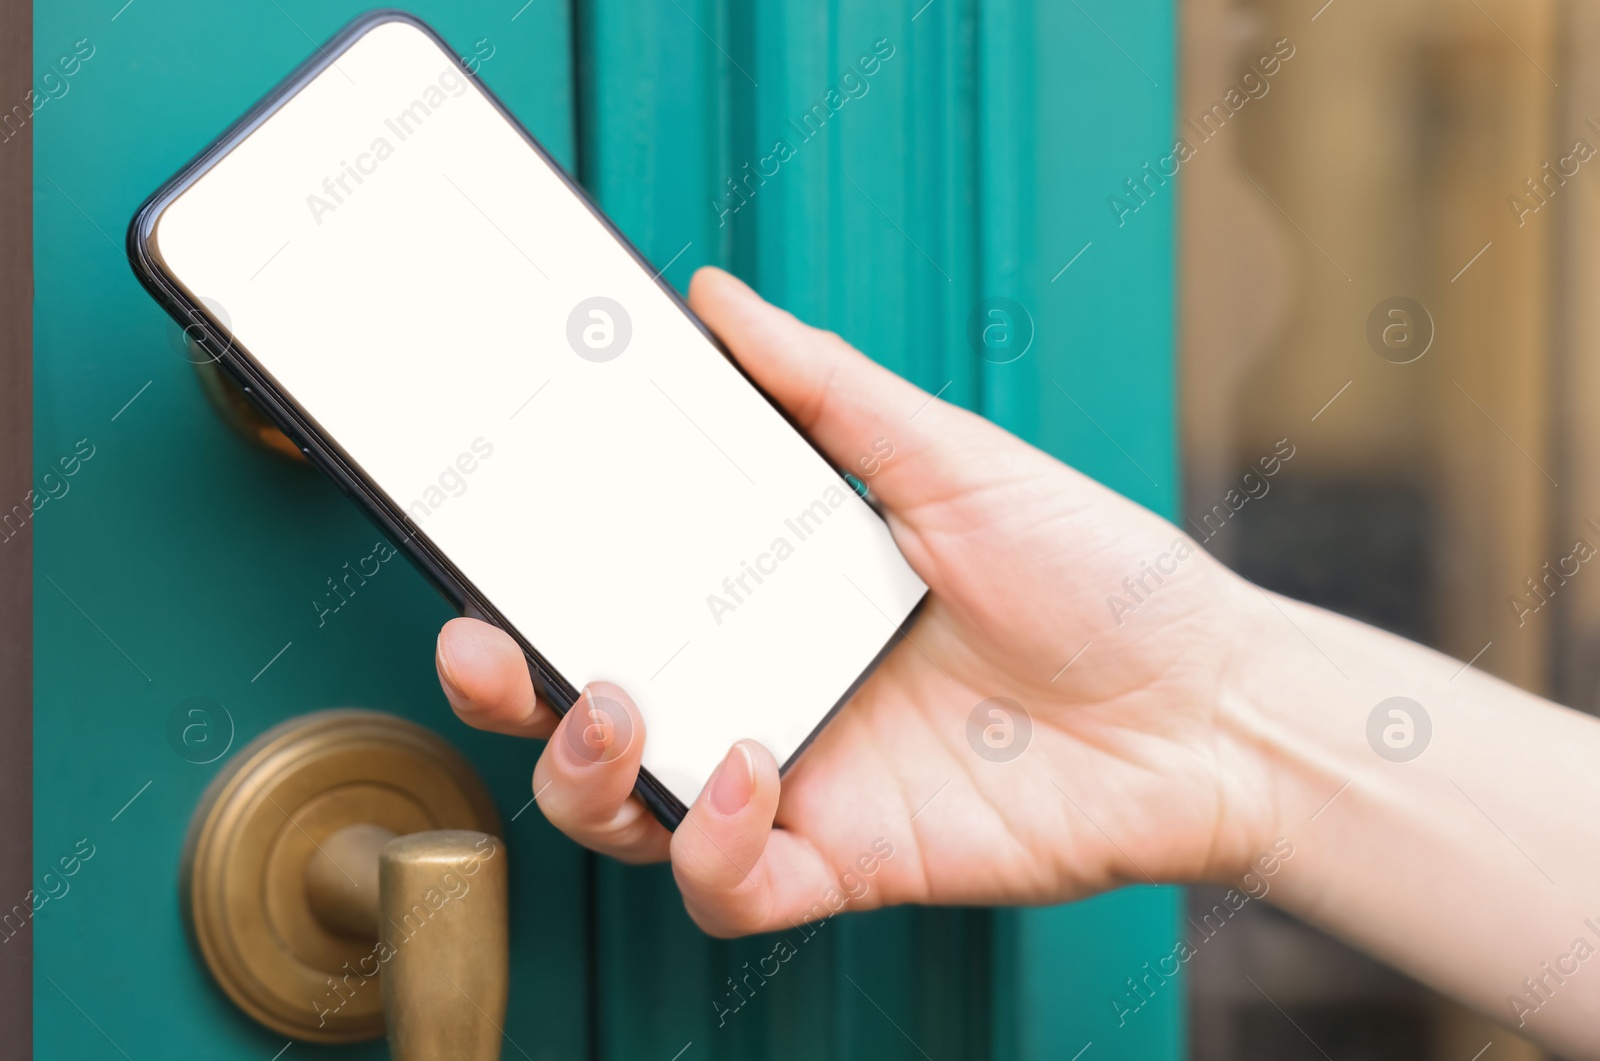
(735, 782)
(463, 646)
(448, 663)
(601, 731)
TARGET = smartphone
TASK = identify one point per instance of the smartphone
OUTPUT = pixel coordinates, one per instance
(419, 296)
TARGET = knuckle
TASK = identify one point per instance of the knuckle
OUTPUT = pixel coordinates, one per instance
(627, 835)
(727, 917)
(575, 813)
(591, 811)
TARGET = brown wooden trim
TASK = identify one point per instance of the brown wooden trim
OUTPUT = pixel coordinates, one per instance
(16, 555)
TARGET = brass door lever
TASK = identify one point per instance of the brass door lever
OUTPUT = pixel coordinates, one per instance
(342, 878)
(434, 906)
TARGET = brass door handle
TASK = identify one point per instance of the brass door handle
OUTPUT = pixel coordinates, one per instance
(342, 877)
(435, 905)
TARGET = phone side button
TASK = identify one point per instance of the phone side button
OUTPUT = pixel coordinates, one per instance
(317, 462)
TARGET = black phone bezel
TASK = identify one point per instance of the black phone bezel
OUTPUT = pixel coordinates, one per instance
(213, 336)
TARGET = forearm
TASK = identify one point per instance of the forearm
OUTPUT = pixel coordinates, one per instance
(1475, 866)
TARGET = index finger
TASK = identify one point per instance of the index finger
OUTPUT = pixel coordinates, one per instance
(485, 677)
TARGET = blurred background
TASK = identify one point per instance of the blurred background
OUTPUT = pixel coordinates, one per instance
(1445, 451)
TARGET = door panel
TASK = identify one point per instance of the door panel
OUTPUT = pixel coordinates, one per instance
(182, 560)
(969, 168)
(183, 563)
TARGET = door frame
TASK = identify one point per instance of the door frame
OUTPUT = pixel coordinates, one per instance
(16, 474)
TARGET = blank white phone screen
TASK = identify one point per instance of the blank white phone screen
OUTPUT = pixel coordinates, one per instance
(412, 273)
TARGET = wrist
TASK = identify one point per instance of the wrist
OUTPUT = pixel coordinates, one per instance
(1283, 720)
(1395, 834)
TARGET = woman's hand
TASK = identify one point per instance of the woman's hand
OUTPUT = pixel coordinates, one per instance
(1139, 765)
(1172, 720)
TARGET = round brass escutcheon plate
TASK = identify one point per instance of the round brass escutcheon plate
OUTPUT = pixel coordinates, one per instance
(240, 413)
(242, 883)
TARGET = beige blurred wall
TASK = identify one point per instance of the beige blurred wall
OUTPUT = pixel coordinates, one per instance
(1380, 163)
(1382, 160)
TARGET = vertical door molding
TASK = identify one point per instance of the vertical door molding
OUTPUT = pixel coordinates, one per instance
(976, 163)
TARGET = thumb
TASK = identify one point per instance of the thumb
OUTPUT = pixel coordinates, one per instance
(909, 447)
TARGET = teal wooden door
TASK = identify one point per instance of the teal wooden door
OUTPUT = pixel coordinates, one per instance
(972, 160)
